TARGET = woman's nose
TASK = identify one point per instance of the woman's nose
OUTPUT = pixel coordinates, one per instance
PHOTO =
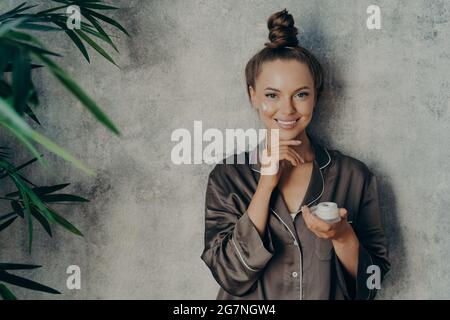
(287, 107)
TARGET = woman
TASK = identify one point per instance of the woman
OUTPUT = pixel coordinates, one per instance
(261, 239)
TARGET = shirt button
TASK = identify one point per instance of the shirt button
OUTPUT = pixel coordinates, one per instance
(295, 243)
(294, 274)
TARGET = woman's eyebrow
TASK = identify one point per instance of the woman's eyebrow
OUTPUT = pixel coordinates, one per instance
(274, 89)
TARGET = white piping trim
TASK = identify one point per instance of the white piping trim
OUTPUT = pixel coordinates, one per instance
(284, 224)
(326, 164)
(240, 257)
(298, 245)
(255, 170)
(370, 291)
(300, 253)
(329, 158)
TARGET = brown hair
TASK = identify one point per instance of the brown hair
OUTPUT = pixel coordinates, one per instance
(283, 45)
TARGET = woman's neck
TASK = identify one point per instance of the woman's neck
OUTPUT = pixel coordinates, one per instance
(305, 149)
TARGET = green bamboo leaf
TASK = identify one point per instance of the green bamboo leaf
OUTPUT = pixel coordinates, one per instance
(7, 215)
(18, 266)
(94, 45)
(95, 33)
(25, 283)
(21, 82)
(29, 112)
(64, 1)
(50, 145)
(34, 99)
(26, 142)
(66, 224)
(97, 6)
(94, 4)
(108, 20)
(11, 120)
(5, 27)
(75, 1)
(7, 223)
(47, 11)
(42, 220)
(61, 22)
(79, 93)
(99, 29)
(9, 115)
(25, 179)
(37, 27)
(20, 8)
(5, 293)
(28, 218)
(62, 197)
(17, 209)
(22, 36)
(34, 49)
(23, 166)
(8, 68)
(12, 11)
(42, 190)
(75, 39)
(43, 209)
(6, 55)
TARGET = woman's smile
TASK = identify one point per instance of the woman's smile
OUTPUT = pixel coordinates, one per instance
(286, 124)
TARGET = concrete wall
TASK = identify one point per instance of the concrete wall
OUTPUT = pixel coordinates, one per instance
(387, 104)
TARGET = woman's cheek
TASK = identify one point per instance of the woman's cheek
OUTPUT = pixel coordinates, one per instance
(268, 110)
(266, 114)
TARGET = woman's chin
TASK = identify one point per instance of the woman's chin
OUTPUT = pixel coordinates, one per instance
(289, 134)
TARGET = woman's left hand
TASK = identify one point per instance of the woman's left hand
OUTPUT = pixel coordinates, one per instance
(334, 231)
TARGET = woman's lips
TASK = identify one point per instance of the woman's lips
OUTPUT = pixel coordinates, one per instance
(286, 124)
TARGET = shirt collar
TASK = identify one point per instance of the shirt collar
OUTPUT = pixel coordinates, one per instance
(315, 188)
(322, 157)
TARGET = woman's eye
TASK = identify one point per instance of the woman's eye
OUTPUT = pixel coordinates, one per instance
(271, 95)
(303, 94)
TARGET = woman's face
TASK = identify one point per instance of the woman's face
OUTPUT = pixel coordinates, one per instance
(284, 97)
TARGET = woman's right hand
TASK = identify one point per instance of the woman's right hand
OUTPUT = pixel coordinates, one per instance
(275, 158)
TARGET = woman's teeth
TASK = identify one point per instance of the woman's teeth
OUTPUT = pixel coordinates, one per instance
(286, 124)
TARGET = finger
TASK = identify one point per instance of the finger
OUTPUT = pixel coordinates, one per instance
(306, 213)
(295, 153)
(343, 213)
(290, 142)
(322, 235)
(289, 158)
(286, 150)
(292, 155)
(318, 223)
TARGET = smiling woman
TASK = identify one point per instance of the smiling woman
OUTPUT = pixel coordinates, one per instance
(261, 239)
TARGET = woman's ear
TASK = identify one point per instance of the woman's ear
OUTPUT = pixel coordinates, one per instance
(252, 97)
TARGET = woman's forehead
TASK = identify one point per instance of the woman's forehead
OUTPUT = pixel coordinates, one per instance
(284, 75)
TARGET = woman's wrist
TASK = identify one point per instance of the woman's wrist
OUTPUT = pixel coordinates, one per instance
(346, 235)
(265, 187)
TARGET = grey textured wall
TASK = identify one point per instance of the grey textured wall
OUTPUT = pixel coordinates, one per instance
(387, 104)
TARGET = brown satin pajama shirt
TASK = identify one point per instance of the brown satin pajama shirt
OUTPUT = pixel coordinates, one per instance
(291, 262)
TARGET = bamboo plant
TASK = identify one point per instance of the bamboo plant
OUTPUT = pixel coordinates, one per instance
(21, 52)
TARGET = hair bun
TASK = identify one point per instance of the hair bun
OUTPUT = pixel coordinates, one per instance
(282, 31)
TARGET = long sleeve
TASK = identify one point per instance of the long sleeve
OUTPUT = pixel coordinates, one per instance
(373, 252)
(234, 251)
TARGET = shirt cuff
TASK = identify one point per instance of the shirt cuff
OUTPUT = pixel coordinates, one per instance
(253, 250)
(356, 289)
